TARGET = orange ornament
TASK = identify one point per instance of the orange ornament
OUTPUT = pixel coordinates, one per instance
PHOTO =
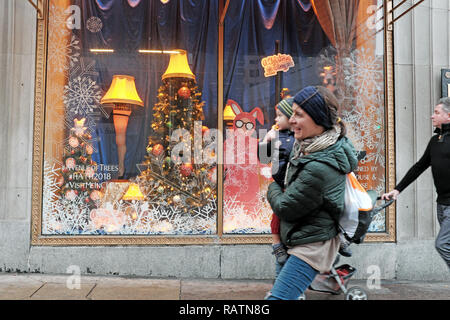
(184, 92)
(157, 150)
(186, 169)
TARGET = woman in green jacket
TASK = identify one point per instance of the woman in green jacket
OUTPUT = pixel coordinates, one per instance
(313, 200)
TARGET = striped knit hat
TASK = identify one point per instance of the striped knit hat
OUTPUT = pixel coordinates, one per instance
(285, 106)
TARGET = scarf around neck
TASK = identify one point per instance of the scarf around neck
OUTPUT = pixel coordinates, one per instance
(317, 143)
(314, 144)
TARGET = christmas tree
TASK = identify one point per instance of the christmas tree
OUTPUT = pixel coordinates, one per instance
(179, 170)
(78, 182)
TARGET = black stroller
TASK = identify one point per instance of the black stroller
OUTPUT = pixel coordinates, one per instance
(336, 281)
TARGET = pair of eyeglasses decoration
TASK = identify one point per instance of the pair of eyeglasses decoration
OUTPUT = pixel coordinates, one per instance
(248, 125)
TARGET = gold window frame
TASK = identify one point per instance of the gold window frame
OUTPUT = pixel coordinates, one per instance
(37, 239)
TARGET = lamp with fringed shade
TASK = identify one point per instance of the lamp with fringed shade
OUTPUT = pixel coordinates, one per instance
(178, 66)
(122, 94)
(133, 193)
(228, 116)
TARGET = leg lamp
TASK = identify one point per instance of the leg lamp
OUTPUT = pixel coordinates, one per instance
(122, 94)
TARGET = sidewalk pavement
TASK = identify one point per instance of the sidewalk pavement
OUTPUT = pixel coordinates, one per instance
(28, 286)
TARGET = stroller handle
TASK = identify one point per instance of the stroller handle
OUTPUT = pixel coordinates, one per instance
(384, 205)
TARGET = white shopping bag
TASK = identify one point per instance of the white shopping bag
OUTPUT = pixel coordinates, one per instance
(356, 200)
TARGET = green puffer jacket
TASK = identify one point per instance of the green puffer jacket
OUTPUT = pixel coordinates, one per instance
(314, 198)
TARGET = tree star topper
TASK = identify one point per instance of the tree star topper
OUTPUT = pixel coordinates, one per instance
(79, 126)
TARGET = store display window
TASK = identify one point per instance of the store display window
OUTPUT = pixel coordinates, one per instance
(152, 112)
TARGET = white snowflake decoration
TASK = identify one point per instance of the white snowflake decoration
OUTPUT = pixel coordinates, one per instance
(82, 95)
(62, 53)
(50, 198)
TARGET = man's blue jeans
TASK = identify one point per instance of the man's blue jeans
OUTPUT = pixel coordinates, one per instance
(293, 279)
(443, 238)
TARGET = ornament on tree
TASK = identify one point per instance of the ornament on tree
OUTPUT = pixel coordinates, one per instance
(167, 161)
(70, 163)
(73, 142)
(89, 149)
(186, 169)
(184, 92)
(157, 150)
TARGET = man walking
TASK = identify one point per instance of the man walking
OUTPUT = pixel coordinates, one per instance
(437, 155)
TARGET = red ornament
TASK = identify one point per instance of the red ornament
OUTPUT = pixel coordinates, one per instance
(204, 129)
(186, 169)
(157, 150)
(184, 92)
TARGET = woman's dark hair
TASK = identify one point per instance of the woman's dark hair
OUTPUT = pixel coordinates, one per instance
(333, 107)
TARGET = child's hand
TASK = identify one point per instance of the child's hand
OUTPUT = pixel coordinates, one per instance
(270, 135)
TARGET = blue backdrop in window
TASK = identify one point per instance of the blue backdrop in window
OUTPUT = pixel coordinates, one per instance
(251, 29)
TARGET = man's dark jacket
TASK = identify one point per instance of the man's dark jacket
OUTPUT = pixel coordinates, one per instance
(437, 155)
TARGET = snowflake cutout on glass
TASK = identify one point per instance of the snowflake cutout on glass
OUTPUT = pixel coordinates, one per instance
(62, 53)
(82, 95)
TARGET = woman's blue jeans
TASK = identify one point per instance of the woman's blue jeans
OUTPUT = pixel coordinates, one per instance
(293, 279)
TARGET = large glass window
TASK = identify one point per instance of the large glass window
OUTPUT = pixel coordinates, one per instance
(131, 94)
(132, 108)
(337, 44)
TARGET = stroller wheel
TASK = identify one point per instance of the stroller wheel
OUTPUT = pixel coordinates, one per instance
(356, 293)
